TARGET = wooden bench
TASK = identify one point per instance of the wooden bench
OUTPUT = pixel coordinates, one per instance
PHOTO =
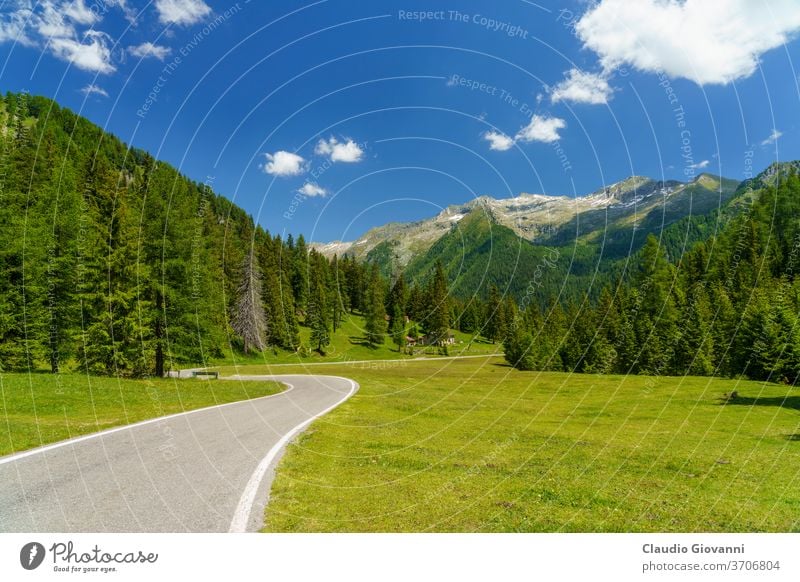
(205, 374)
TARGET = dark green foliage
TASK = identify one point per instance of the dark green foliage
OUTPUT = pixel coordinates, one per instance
(398, 328)
(519, 348)
(436, 322)
(729, 306)
(374, 310)
(319, 309)
(114, 263)
(494, 325)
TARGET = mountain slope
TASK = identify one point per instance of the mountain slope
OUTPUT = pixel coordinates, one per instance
(614, 212)
(539, 247)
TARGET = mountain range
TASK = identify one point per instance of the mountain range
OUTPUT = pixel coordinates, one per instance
(505, 241)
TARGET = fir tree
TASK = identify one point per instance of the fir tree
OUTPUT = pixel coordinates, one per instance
(318, 314)
(398, 328)
(375, 313)
(437, 323)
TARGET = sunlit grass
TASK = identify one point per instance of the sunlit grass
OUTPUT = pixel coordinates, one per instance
(38, 409)
(471, 445)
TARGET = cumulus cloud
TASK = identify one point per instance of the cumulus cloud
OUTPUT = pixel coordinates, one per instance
(705, 42)
(498, 142)
(52, 21)
(94, 54)
(582, 87)
(347, 151)
(773, 137)
(283, 163)
(149, 50)
(13, 26)
(312, 189)
(700, 165)
(92, 89)
(542, 128)
(78, 12)
(65, 28)
(182, 12)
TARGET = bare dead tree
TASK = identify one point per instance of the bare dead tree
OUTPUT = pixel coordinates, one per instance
(249, 320)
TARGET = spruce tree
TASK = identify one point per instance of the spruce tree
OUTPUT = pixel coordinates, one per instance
(375, 312)
(494, 324)
(318, 312)
(437, 323)
(398, 329)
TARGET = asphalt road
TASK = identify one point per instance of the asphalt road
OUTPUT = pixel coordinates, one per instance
(203, 471)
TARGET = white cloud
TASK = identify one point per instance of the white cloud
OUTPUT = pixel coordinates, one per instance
(773, 137)
(706, 42)
(92, 89)
(311, 189)
(498, 142)
(65, 28)
(94, 55)
(348, 151)
(78, 12)
(582, 87)
(700, 165)
(182, 12)
(542, 128)
(13, 26)
(149, 50)
(283, 163)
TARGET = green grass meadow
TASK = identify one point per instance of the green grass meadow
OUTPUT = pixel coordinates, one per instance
(348, 344)
(38, 409)
(473, 446)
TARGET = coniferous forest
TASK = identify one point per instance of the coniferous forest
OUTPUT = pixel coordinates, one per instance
(728, 306)
(113, 263)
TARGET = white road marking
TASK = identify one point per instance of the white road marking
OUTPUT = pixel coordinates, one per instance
(242, 514)
(76, 440)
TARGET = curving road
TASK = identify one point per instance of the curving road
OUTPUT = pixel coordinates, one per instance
(208, 470)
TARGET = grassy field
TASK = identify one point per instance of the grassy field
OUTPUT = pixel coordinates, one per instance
(348, 344)
(37, 409)
(471, 445)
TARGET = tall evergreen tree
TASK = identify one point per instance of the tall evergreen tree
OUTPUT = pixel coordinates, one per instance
(318, 314)
(398, 328)
(375, 312)
(437, 324)
(494, 316)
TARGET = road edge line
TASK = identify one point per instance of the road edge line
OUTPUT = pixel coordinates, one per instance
(75, 440)
(241, 515)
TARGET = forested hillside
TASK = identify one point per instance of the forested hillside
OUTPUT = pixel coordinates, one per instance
(114, 263)
(728, 306)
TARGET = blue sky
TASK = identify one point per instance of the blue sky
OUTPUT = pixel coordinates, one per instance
(327, 118)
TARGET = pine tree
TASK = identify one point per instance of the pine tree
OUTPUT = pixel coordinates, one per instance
(398, 328)
(375, 312)
(339, 297)
(518, 347)
(397, 299)
(300, 273)
(469, 320)
(318, 314)
(694, 350)
(494, 324)
(437, 323)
